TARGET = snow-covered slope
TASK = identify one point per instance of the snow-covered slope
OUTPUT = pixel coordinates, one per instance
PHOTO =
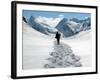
(28, 30)
(37, 46)
(83, 36)
(81, 45)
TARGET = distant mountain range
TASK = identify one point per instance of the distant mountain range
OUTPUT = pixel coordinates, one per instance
(66, 27)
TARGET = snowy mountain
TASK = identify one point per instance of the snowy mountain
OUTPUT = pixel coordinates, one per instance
(37, 26)
(68, 28)
(73, 26)
(41, 27)
(64, 28)
(76, 27)
(29, 32)
(75, 20)
(49, 21)
(86, 23)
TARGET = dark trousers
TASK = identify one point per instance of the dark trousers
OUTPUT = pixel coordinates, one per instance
(58, 41)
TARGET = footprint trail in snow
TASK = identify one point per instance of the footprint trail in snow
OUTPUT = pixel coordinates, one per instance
(62, 56)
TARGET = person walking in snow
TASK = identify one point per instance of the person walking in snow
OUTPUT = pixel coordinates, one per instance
(58, 37)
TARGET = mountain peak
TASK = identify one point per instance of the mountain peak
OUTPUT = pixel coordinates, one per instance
(75, 20)
(64, 20)
(64, 28)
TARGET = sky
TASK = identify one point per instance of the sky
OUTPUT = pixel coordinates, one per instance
(52, 14)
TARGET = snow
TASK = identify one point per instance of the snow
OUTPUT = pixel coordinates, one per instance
(37, 47)
(76, 27)
(81, 45)
(62, 56)
(52, 22)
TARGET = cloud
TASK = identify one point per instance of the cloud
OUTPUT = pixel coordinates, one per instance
(52, 22)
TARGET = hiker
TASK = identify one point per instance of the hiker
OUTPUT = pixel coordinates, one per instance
(58, 37)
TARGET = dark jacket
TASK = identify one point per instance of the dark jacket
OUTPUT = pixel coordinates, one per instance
(57, 35)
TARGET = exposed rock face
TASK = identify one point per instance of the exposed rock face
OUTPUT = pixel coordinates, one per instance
(64, 28)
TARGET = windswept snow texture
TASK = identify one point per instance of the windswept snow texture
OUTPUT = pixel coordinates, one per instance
(62, 56)
(37, 47)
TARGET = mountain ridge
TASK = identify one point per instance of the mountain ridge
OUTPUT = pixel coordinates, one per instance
(66, 27)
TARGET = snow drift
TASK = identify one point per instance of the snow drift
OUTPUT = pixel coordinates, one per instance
(37, 47)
